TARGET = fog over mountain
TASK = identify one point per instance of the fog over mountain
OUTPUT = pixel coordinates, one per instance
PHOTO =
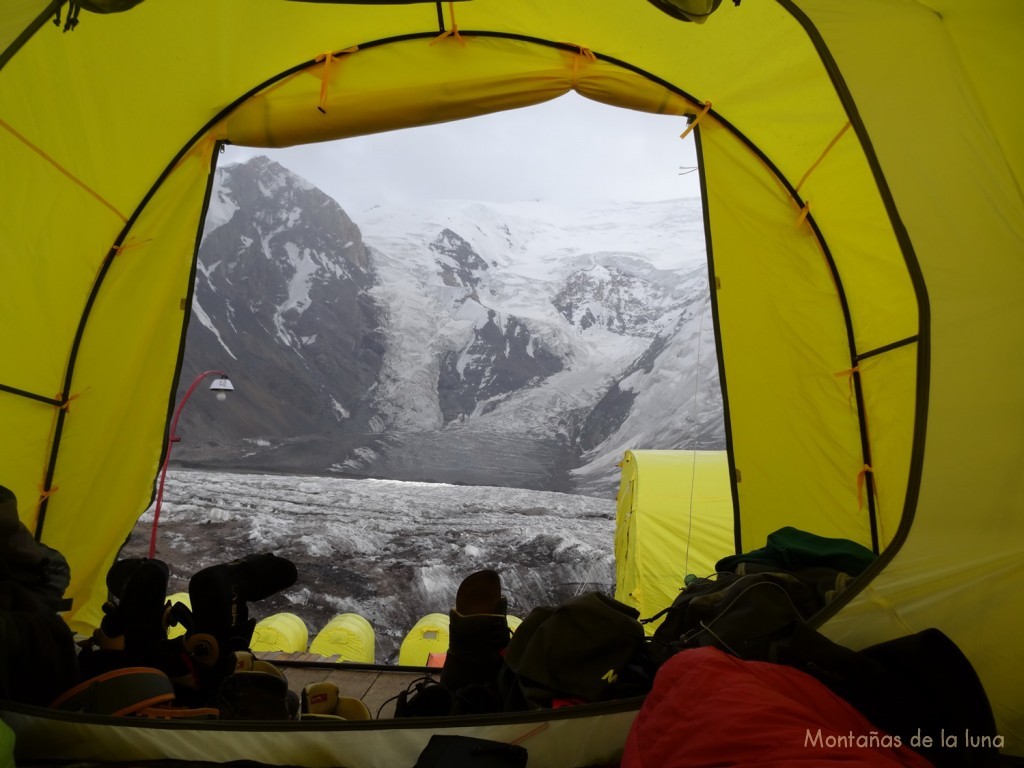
(514, 344)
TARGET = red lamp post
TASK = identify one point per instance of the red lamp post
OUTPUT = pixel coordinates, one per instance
(221, 385)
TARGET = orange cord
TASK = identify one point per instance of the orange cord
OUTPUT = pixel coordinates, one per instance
(63, 170)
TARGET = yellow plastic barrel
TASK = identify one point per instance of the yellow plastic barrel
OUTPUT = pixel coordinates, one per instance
(348, 636)
(281, 632)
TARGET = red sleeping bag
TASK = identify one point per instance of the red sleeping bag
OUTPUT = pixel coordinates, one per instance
(708, 708)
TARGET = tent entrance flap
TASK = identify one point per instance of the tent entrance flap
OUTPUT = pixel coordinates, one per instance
(409, 83)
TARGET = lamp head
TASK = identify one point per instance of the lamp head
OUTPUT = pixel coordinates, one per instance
(222, 386)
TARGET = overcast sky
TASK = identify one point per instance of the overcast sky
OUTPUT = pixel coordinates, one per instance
(567, 149)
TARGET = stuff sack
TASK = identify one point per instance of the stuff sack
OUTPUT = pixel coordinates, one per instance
(748, 616)
(590, 648)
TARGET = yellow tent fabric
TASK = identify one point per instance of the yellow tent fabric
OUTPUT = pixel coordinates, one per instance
(178, 597)
(862, 168)
(284, 632)
(348, 636)
(674, 516)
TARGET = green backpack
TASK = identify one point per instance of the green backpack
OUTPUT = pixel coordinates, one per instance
(590, 648)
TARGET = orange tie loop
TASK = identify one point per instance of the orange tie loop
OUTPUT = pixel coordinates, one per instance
(849, 374)
(861, 476)
(803, 214)
(46, 493)
(835, 140)
(131, 243)
(697, 119)
(453, 28)
(327, 58)
(65, 405)
(582, 52)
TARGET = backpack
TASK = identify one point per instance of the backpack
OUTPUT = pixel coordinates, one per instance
(748, 615)
(753, 602)
(590, 648)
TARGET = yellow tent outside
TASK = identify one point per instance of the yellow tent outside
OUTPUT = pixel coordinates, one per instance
(284, 632)
(427, 642)
(862, 168)
(674, 516)
(428, 636)
(348, 636)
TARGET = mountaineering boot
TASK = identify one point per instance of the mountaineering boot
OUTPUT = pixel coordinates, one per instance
(219, 595)
(132, 632)
(136, 592)
(220, 615)
(255, 690)
(478, 635)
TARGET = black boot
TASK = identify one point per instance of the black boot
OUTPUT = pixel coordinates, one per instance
(219, 595)
(478, 634)
(137, 591)
(132, 632)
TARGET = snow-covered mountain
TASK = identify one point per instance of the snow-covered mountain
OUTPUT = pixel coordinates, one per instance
(281, 304)
(523, 344)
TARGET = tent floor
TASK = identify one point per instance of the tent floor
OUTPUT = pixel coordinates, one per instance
(377, 685)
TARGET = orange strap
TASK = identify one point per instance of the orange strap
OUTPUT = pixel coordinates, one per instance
(582, 53)
(44, 497)
(131, 243)
(697, 119)
(327, 58)
(803, 213)
(849, 373)
(65, 405)
(861, 478)
(807, 205)
(453, 28)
